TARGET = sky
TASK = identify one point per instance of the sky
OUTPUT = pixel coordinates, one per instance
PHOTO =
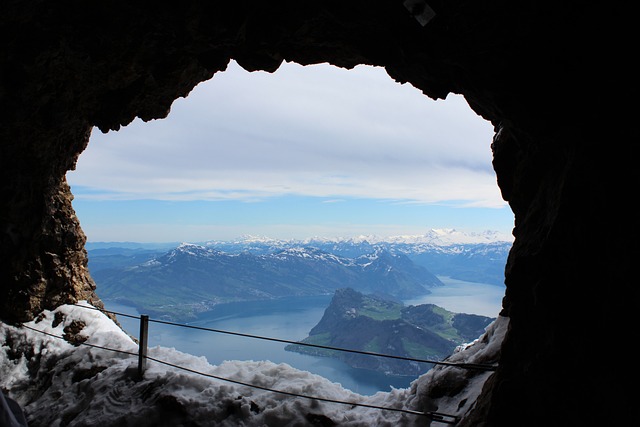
(314, 151)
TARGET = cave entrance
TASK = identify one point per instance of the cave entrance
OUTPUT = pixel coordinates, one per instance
(307, 152)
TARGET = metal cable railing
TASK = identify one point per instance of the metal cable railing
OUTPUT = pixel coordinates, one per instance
(463, 365)
(432, 415)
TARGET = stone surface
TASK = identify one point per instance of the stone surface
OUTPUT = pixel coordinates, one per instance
(555, 79)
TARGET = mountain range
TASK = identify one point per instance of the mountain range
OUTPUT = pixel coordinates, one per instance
(192, 278)
(179, 280)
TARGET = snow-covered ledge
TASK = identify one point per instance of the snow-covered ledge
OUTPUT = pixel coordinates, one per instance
(59, 381)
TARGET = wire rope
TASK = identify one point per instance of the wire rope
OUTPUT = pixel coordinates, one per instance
(462, 365)
(435, 416)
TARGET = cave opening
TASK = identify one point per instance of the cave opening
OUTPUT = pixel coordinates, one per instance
(305, 152)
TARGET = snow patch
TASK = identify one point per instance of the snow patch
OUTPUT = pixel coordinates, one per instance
(58, 383)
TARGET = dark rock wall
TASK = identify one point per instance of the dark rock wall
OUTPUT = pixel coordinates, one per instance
(553, 78)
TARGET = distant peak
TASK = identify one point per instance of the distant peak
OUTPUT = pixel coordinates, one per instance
(248, 238)
(451, 236)
(184, 245)
(434, 236)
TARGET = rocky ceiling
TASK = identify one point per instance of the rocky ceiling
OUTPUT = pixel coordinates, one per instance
(556, 79)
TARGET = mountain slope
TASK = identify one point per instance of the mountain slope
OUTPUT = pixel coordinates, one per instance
(474, 257)
(192, 277)
(368, 323)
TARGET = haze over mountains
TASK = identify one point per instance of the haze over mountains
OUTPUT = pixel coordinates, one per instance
(178, 281)
(195, 277)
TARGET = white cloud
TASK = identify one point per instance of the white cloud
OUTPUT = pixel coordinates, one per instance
(315, 130)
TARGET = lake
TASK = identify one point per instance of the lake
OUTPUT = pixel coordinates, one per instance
(292, 319)
(464, 297)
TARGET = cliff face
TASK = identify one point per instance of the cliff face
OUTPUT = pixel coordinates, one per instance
(553, 79)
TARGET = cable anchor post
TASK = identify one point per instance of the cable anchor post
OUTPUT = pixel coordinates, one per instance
(142, 346)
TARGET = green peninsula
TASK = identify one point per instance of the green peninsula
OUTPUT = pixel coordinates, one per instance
(374, 324)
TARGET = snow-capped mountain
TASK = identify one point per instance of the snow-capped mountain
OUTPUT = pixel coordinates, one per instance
(190, 274)
(470, 256)
(200, 275)
(434, 238)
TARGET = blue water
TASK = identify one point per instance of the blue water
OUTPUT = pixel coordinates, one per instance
(464, 297)
(288, 319)
(292, 319)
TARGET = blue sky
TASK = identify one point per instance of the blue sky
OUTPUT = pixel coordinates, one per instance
(303, 152)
